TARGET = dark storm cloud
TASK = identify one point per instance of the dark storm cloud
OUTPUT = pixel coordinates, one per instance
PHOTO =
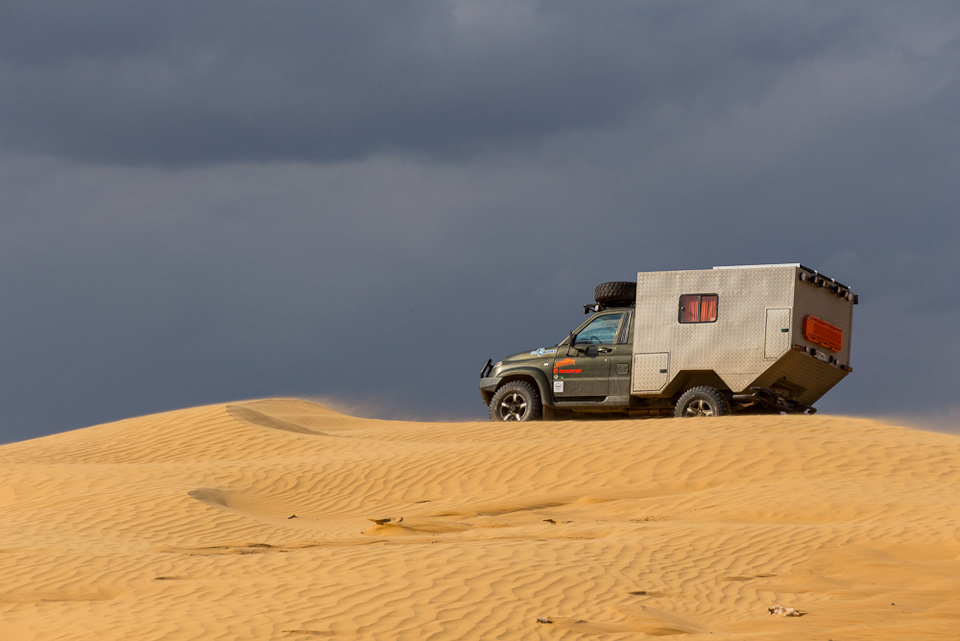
(207, 82)
(208, 201)
(187, 83)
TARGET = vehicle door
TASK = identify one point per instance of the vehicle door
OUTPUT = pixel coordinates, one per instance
(581, 371)
(621, 358)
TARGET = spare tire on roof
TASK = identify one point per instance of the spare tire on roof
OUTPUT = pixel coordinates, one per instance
(615, 292)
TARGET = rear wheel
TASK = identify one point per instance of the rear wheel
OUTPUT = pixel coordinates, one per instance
(516, 401)
(702, 401)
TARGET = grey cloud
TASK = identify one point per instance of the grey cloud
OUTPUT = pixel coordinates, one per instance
(211, 201)
(175, 84)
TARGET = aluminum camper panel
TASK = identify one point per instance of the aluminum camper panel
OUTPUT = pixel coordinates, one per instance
(827, 305)
(733, 345)
(799, 377)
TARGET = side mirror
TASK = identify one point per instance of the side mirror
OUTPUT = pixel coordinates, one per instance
(571, 339)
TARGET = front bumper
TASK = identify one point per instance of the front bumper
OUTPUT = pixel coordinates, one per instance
(488, 384)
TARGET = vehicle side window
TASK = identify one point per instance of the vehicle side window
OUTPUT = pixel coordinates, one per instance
(602, 330)
(625, 329)
(698, 308)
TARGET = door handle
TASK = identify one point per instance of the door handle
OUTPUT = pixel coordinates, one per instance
(604, 350)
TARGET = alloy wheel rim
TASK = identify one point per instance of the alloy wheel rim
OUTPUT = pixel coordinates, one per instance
(513, 407)
(699, 407)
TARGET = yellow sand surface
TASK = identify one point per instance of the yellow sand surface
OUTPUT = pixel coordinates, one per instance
(282, 519)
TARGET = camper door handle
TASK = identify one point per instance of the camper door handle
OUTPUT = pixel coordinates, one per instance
(604, 350)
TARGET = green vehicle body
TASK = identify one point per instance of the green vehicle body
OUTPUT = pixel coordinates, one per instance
(596, 382)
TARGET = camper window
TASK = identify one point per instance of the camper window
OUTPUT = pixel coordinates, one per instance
(698, 308)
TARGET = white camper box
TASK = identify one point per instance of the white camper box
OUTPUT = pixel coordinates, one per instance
(780, 332)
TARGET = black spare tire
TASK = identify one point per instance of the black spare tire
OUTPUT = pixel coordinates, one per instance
(615, 292)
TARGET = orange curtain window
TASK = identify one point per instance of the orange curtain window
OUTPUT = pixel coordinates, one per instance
(689, 308)
(708, 308)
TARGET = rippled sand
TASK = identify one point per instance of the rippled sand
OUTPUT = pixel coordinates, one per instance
(281, 519)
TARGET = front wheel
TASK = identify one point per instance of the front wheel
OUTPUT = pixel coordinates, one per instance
(702, 401)
(516, 401)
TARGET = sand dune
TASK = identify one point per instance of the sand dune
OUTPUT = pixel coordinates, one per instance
(281, 519)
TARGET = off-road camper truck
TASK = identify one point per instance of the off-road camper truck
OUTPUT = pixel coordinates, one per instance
(757, 338)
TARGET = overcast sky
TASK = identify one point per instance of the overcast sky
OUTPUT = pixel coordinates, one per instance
(363, 201)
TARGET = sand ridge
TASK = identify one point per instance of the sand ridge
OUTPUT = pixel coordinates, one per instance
(282, 519)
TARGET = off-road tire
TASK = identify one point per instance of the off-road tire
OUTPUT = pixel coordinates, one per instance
(702, 401)
(615, 292)
(516, 401)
